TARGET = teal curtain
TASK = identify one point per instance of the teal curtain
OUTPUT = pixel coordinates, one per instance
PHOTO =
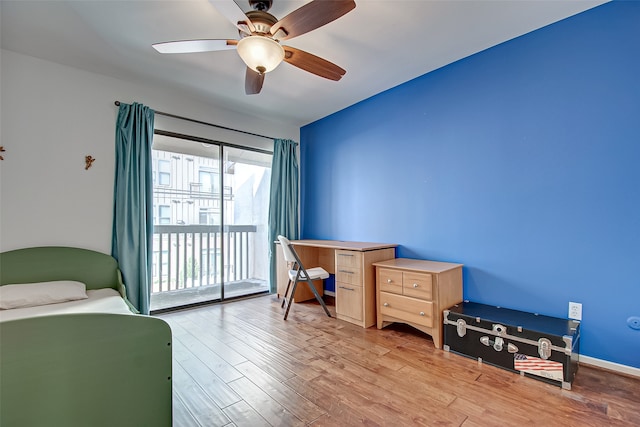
(132, 241)
(283, 203)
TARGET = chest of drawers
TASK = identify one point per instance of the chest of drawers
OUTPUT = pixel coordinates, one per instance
(416, 292)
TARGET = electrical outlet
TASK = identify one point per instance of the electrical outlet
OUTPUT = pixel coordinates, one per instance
(575, 310)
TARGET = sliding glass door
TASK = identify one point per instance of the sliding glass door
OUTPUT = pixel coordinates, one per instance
(210, 221)
(246, 252)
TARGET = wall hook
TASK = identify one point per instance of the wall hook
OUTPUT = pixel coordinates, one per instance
(2, 150)
(88, 160)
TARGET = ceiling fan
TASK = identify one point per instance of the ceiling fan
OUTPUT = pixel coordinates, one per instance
(260, 35)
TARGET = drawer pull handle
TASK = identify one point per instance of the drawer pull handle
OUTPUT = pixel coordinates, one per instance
(415, 285)
(389, 280)
(386, 304)
(422, 313)
(345, 255)
(347, 289)
(346, 271)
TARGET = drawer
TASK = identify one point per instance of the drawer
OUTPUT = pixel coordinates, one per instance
(390, 280)
(408, 309)
(348, 275)
(349, 259)
(349, 300)
(418, 285)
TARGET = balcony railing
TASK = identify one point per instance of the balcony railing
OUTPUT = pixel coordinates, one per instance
(192, 256)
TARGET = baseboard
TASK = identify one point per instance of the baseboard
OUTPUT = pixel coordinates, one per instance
(623, 369)
(330, 293)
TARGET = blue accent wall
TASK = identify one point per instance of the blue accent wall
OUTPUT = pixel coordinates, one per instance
(522, 162)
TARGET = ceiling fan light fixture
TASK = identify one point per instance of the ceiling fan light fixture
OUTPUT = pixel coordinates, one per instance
(260, 53)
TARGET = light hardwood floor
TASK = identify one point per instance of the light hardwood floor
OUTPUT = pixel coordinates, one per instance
(240, 364)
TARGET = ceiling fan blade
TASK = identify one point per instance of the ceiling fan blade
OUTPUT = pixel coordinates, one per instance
(313, 64)
(312, 15)
(253, 82)
(194, 46)
(230, 10)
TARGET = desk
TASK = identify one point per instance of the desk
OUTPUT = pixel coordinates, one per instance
(352, 265)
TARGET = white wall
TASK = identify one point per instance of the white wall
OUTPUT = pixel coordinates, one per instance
(51, 117)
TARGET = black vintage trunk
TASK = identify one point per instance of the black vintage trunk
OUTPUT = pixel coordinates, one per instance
(541, 347)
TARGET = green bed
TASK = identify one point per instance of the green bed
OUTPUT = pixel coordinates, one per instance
(86, 369)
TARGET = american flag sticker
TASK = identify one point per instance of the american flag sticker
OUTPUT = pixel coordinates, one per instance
(536, 366)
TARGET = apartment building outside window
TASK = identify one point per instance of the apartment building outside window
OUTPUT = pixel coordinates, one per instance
(164, 215)
(164, 172)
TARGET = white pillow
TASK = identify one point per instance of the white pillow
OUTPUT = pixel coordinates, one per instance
(41, 293)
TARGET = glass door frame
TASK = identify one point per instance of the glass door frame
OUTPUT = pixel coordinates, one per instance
(224, 242)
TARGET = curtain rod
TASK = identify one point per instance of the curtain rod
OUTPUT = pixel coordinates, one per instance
(205, 123)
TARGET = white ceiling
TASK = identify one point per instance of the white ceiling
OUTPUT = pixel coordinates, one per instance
(381, 44)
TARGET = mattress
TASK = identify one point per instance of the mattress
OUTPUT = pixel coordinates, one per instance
(99, 301)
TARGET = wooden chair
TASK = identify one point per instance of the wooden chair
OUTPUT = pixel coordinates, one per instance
(298, 274)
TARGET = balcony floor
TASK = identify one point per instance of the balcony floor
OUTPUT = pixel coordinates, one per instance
(187, 296)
